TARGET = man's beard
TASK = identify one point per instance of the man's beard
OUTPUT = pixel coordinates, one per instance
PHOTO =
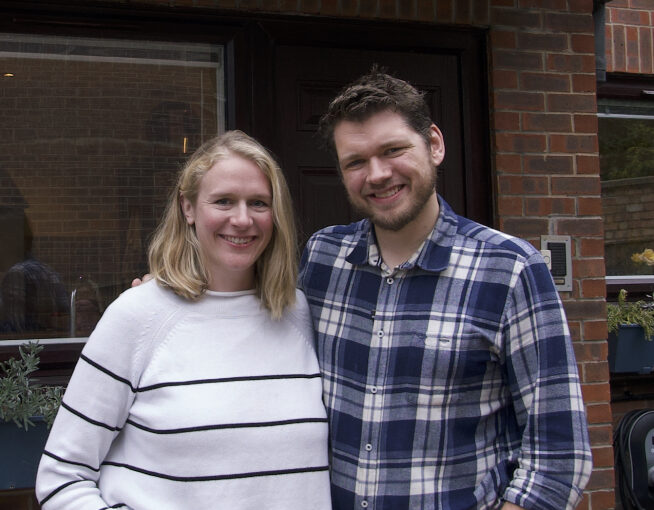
(397, 221)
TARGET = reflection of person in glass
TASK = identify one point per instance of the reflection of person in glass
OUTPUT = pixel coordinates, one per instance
(34, 299)
(201, 389)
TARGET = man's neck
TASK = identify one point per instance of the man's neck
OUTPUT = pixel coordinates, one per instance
(397, 246)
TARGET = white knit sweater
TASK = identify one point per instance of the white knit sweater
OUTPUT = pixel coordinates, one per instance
(184, 406)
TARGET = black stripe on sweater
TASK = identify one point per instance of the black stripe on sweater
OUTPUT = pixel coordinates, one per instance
(60, 488)
(90, 420)
(108, 372)
(211, 478)
(227, 425)
(66, 461)
(228, 379)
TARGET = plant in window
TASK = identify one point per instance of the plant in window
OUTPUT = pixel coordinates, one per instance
(20, 398)
(638, 313)
(645, 257)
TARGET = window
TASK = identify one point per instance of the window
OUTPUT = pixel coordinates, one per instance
(626, 140)
(93, 133)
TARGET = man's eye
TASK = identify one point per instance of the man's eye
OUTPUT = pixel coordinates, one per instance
(354, 164)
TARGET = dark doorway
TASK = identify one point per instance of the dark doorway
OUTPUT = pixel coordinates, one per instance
(307, 65)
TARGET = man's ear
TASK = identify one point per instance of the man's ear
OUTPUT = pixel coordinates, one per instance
(436, 145)
(187, 209)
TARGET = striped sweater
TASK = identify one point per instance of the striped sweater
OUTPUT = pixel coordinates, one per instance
(181, 405)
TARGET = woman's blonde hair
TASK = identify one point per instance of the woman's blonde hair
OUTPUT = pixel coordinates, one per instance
(174, 254)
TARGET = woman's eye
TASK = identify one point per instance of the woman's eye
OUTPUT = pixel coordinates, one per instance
(222, 201)
(259, 204)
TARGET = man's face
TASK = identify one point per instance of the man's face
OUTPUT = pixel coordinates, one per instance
(388, 169)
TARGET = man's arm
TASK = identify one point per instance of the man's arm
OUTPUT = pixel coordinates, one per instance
(554, 463)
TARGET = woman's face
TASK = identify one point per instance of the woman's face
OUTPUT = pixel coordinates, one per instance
(233, 221)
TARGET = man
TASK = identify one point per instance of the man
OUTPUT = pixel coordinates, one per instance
(448, 370)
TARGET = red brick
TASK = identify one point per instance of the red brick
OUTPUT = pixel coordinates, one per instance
(602, 500)
(388, 9)
(583, 227)
(585, 123)
(584, 83)
(573, 143)
(546, 82)
(576, 103)
(549, 165)
(594, 330)
(509, 206)
(519, 60)
(569, 23)
(600, 479)
(619, 49)
(539, 4)
(591, 351)
(503, 79)
(587, 164)
(542, 41)
(506, 121)
(549, 122)
(603, 456)
(580, 5)
(595, 373)
(520, 142)
(503, 39)
(515, 18)
(523, 227)
(524, 101)
(564, 63)
(583, 43)
(522, 185)
(597, 393)
(508, 163)
(589, 206)
(645, 50)
(587, 268)
(592, 247)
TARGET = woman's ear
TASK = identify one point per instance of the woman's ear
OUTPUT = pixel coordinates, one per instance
(187, 209)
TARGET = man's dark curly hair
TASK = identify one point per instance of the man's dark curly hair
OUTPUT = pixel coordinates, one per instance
(372, 93)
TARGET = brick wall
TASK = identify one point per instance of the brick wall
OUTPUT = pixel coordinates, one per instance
(544, 158)
(630, 36)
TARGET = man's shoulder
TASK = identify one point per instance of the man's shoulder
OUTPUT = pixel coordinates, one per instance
(492, 240)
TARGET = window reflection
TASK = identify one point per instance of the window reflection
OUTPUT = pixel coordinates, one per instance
(626, 138)
(92, 136)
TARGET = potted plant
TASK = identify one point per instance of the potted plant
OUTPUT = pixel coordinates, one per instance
(27, 410)
(631, 328)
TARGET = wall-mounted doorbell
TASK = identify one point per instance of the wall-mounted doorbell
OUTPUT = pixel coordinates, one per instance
(557, 251)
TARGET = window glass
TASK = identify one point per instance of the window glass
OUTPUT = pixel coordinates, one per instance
(626, 141)
(93, 133)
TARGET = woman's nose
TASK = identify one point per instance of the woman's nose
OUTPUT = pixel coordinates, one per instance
(241, 217)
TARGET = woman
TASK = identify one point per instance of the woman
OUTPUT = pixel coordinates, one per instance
(200, 389)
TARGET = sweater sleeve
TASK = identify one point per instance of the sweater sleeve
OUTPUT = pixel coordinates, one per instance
(555, 459)
(94, 408)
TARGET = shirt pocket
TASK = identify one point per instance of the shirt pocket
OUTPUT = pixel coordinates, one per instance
(449, 369)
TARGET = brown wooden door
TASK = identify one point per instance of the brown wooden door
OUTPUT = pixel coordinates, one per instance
(306, 78)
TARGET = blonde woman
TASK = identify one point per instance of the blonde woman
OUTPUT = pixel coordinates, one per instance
(200, 389)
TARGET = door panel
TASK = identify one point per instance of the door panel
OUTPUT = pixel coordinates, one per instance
(307, 78)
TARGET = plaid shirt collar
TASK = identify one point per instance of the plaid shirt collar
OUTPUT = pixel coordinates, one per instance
(433, 255)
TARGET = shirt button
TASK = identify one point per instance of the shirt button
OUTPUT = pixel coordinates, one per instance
(389, 280)
(373, 389)
(368, 447)
(364, 504)
(380, 333)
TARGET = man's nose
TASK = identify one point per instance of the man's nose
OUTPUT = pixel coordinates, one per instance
(378, 171)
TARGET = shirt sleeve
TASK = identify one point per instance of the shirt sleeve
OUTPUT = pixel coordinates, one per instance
(94, 410)
(554, 464)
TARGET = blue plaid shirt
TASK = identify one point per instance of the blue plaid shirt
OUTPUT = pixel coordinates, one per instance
(450, 381)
